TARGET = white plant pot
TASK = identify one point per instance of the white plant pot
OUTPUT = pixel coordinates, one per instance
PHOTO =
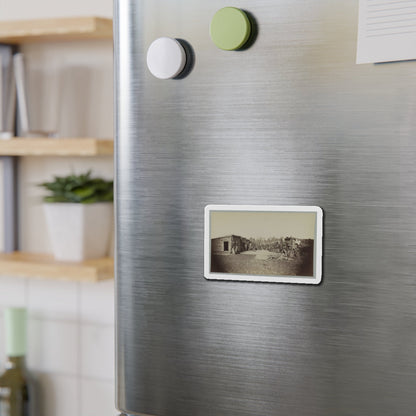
(79, 231)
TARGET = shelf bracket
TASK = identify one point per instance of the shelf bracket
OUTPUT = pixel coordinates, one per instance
(10, 203)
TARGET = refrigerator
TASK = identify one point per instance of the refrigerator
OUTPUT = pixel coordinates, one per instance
(265, 113)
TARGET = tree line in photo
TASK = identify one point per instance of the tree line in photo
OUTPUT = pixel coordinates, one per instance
(288, 246)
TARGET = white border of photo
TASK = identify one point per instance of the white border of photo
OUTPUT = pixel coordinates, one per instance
(312, 280)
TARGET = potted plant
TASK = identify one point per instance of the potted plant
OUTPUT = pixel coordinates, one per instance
(79, 216)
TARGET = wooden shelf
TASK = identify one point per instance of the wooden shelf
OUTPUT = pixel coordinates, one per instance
(44, 266)
(39, 30)
(52, 30)
(18, 146)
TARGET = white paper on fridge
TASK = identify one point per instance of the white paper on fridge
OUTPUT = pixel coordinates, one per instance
(386, 31)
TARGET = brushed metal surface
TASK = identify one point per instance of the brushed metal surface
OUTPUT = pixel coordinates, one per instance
(292, 120)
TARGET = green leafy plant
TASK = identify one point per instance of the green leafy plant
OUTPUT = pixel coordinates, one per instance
(82, 189)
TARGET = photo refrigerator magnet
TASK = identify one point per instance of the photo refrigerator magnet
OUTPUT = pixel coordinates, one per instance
(280, 244)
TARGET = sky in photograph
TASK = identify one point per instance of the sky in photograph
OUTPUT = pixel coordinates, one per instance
(263, 224)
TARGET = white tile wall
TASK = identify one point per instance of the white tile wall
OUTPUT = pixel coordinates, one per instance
(70, 343)
(2, 341)
(54, 346)
(1, 207)
(97, 303)
(93, 389)
(49, 298)
(12, 292)
(97, 352)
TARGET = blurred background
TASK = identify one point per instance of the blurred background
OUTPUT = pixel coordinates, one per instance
(70, 325)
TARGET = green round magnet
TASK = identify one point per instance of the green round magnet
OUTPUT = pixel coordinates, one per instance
(230, 28)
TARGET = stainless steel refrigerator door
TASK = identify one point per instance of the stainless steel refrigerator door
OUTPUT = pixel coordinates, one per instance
(294, 121)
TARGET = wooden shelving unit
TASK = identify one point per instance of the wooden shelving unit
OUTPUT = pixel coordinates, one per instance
(40, 265)
(56, 147)
(44, 266)
(41, 30)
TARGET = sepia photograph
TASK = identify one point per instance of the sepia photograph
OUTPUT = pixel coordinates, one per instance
(258, 243)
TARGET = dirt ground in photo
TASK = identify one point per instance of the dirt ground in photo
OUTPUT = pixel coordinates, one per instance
(263, 263)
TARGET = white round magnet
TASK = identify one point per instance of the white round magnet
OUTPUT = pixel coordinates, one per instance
(166, 58)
